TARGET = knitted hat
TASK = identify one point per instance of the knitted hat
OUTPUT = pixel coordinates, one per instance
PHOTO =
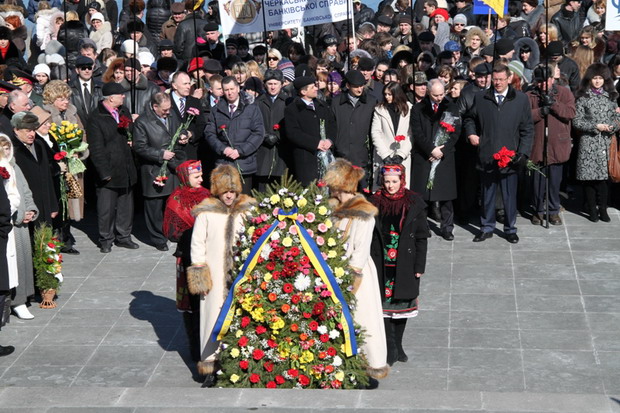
(225, 178)
(440, 12)
(452, 46)
(342, 176)
(460, 18)
(504, 46)
(129, 46)
(97, 16)
(41, 68)
(517, 68)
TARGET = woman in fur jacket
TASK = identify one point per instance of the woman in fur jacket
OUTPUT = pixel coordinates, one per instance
(218, 219)
(355, 216)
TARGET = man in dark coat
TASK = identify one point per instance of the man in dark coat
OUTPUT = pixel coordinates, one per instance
(426, 118)
(557, 104)
(182, 101)
(569, 21)
(303, 119)
(31, 157)
(17, 102)
(185, 36)
(113, 163)
(138, 99)
(500, 117)
(568, 67)
(235, 131)
(271, 156)
(86, 91)
(367, 66)
(5, 291)
(153, 132)
(353, 111)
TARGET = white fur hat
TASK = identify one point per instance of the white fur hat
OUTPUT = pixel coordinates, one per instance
(97, 16)
(41, 68)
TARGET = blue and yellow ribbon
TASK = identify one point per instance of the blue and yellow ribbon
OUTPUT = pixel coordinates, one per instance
(227, 313)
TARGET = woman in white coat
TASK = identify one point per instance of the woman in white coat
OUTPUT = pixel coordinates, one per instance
(218, 220)
(391, 120)
(355, 216)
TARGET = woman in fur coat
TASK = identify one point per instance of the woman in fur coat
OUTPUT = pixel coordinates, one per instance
(218, 219)
(399, 249)
(101, 32)
(355, 216)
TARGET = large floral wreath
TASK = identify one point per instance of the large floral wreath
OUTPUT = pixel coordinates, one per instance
(287, 321)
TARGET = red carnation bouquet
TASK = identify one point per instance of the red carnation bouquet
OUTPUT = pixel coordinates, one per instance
(125, 125)
(505, 156)
(447, 125)
(4, 174)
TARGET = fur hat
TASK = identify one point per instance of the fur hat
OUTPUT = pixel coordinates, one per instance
(25, 120)
(225, 178)
(343, 176)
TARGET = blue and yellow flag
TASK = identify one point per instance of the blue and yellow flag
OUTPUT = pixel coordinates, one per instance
(498, 6)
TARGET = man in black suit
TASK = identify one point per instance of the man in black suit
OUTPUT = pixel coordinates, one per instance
(86, 90)
(181, 101)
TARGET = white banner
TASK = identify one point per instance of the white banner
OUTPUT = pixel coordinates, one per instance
(249, 16)
(612, 16)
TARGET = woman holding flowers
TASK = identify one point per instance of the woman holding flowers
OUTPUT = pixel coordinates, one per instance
(218, 219)
(391, 131)
(65, 121)
(356, 218)
(178, 227)
(399, 250)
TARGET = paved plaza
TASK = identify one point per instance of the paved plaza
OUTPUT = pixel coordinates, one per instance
(531, 327)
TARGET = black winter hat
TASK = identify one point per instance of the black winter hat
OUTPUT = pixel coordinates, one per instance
(112, 88)
(355, 78)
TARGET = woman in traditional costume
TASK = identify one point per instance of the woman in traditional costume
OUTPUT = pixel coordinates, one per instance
(218, 220)
(355, 216)
(399, 251)
(178, 227)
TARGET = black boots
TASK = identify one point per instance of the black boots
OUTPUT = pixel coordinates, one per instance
(596, 193)
(394, 331)
(191, 322)
(589, 192)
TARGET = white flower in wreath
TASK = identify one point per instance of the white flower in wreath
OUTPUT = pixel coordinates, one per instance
(334, 334)
(283, 191)
(275, 235)
(302, 282)
(322, 330)
(59, 277)
(337, 361)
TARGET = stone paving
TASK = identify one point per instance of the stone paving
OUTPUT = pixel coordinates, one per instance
(531, 327)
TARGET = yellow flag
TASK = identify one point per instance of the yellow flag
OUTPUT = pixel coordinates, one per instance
(497, 6)
(198, 4)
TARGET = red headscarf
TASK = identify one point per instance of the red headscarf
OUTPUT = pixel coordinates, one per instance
(178, 217)
(397, 203)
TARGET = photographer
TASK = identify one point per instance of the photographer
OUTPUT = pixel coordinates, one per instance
(556, 104)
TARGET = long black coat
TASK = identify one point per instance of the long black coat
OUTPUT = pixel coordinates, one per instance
(83, 110)
(303, 132)
(244, 129)
(412, 249)
(144, 89)
(185, 37)
(424, 127)
(37, 173)
(5, 228)
(109, 152)
(353, 127)
(197, 126)
(271, 159)
(508, 125)
(150, 139)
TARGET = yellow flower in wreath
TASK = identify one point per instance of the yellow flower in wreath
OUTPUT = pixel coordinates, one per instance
(275, 198)
(306, 357)
(302, 202)
(234, 353)
(258, 314)
(234, 378)
(288, 202)
(322, 210)
(339, 375)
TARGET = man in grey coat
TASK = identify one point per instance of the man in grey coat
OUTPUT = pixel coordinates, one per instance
(153, 132)
(500, 117)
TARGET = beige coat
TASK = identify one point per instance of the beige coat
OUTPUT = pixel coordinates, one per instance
(383, 133)
(211, 272)
(356, 219)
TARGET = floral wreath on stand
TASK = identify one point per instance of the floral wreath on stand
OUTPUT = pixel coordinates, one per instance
(287, 320)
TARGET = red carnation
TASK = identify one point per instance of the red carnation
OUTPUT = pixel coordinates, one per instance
(307, 315)
(331, 351)
(321, 183)
(243, 364)
(449, 128)
(270, 266)
(124, 122)
(272, 343)
(287, 288)
(276, 127)
(4, 173)
(260, 329)
(293, 372)
(294, 251)
(399, 138)
(324, 338)
(58, 156)
(295, 299)
(304, 380)
(268, 365)
(258, 354)
(313, 325)
(243, 341)
(280, 379)
(254, 378)
(271, 385)
(245, 321)
(223, 127)
(51, 245)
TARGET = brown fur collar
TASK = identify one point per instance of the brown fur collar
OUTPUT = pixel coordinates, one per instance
(242, 204)
(356, 207)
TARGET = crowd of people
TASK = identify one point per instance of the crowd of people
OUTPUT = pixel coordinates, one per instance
(466, 118)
